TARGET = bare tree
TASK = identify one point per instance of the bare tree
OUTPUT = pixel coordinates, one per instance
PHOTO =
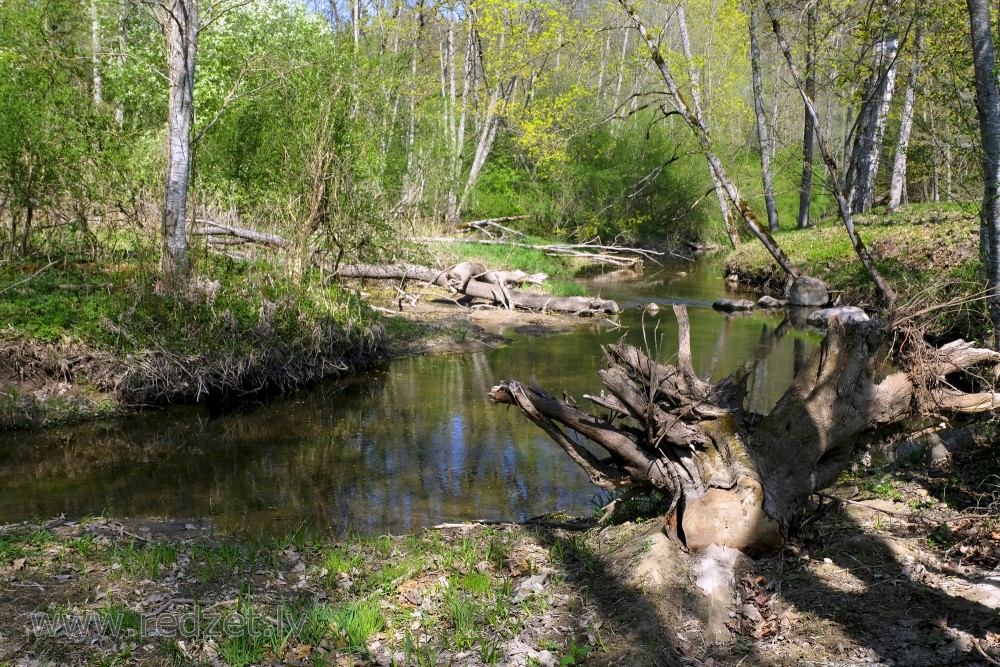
(808, 131)
(696, 123)
(988, 106)
(886, 292)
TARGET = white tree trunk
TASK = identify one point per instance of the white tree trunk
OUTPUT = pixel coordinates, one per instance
(860, 249)
(870, 128)
(180, 19)
(95, 53)
(487, 135)
(897, 188)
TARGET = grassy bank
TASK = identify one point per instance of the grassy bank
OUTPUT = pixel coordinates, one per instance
(929, 253)
(89, 333)
(169, 593)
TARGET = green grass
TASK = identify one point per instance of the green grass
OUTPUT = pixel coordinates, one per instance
(16, 544)
(118, 304)
(236, 327)
(929, 253)
(150, 561)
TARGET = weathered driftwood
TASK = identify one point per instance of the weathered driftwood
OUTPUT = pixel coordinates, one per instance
(472, 279)
(738, 479)
(484, 226)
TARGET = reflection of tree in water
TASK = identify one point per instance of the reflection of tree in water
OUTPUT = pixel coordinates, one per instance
(412, 442)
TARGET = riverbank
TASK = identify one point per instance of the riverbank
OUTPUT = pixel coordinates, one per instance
(96, 337)
(554, 592)
(929, 253)
(85, 337)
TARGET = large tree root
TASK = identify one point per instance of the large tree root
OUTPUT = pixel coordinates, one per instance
(738, 479)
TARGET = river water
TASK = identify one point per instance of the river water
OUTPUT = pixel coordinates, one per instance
(411, 443)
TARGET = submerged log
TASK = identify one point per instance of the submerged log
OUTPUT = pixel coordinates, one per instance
(734, 478)
(473, 280)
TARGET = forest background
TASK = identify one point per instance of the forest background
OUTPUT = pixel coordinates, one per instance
(358, 125)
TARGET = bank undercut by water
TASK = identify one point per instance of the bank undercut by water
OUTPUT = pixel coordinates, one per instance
(99, 334)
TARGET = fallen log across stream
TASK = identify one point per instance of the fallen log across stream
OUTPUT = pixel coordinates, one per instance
(739, 479)
(474, 280)
(471, 279)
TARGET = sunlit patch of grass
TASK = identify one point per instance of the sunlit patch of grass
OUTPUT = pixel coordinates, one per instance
(119, 621)
(149, 561)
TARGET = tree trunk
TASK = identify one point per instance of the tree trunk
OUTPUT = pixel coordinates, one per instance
(474, 280)
(95, 55)
(860, 249)
(762, 133)
(897, 188)
(486, 138)
(869, 130)
(720, 189)
(988, 106)
(734, 478)
(122, 52)
(180, 19)
(805, 187)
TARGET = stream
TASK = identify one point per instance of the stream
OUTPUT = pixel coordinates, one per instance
(407, 444)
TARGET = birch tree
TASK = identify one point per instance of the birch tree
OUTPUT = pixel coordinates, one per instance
(897, 188)
(988, 108)
(869, 129)
(180, 24)
(885, 291)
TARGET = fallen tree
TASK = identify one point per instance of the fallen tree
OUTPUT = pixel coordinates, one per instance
(739, 479)
(474, 280)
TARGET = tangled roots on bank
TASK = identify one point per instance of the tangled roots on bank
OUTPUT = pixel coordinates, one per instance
(272, 364)
(31, 372)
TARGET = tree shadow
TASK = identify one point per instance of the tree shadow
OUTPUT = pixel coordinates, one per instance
(634, 628)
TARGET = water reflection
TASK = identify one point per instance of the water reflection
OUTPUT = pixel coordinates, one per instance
(412, 443)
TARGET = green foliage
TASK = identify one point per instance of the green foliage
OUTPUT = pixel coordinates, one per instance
(46, 117)
(928, 252)
(617, 183)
